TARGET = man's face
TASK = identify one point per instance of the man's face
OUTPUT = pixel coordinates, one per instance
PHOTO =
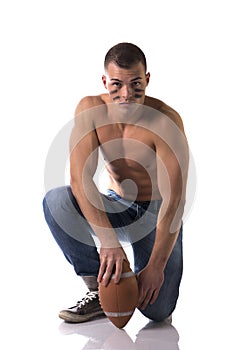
(126, 86)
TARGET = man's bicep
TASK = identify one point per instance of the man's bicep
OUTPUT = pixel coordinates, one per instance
(172, 186)
(172, 156)
(169, 174)
(84, 156)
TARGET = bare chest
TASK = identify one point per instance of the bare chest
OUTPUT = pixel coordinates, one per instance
(129, 146)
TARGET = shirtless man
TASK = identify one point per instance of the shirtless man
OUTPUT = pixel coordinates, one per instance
(143, 143)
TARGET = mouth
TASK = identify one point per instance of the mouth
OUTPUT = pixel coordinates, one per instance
(126, 103)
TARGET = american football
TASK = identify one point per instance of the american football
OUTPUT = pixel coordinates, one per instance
(119, 301)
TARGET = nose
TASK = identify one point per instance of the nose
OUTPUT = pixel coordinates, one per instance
(126, 92)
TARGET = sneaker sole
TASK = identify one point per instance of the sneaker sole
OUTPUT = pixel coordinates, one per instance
(73, 318)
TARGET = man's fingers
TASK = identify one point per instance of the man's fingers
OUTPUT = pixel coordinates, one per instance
(147, 297)
(144, 301)
(109, 266)
(154, 297)
(101, 270)
(110, 263)
(142, 296)
(108, 272)
(118, 271)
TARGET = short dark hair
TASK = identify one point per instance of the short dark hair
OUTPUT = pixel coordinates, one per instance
(125, 55)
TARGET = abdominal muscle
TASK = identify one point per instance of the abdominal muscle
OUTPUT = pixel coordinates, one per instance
(133, 185)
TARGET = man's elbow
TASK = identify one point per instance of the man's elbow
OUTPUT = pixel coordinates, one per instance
(177, 211)
(173, 212)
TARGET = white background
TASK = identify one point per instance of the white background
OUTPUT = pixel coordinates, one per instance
(52, 55)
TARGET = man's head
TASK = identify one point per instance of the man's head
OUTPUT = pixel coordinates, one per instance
(125, 55)
(125, 74)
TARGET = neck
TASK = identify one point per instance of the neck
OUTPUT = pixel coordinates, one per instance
(125, 114)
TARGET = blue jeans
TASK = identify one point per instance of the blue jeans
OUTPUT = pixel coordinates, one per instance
(133, 222)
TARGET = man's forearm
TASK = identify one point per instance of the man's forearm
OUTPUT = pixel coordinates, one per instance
(91, 205)
(162, 249)
(165, 237)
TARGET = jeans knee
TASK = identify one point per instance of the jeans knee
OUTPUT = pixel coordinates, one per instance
(45, 204)
(55, 199)
(53, 204)
(158, 314)
(48, 208)
(47, 198)
(155, 316)
(159, 318)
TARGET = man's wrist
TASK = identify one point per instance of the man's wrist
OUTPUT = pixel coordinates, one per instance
(158, 262)
(109, 241)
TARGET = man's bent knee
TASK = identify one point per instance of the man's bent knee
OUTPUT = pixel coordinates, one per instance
(157, 314)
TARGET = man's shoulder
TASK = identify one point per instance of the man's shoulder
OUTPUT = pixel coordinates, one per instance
(89, 102)
(160, 106)
(165, 109)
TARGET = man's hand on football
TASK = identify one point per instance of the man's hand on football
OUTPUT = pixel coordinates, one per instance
(111, 260)
(150, 281)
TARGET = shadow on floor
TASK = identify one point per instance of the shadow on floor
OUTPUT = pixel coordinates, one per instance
(102, 335)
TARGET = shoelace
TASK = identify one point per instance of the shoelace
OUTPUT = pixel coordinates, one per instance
(89, 296)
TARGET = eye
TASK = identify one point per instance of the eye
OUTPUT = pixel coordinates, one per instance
(116, 84)
(136, 83)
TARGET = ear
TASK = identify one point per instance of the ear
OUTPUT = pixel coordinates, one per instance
(104, 81)
(148, 75)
